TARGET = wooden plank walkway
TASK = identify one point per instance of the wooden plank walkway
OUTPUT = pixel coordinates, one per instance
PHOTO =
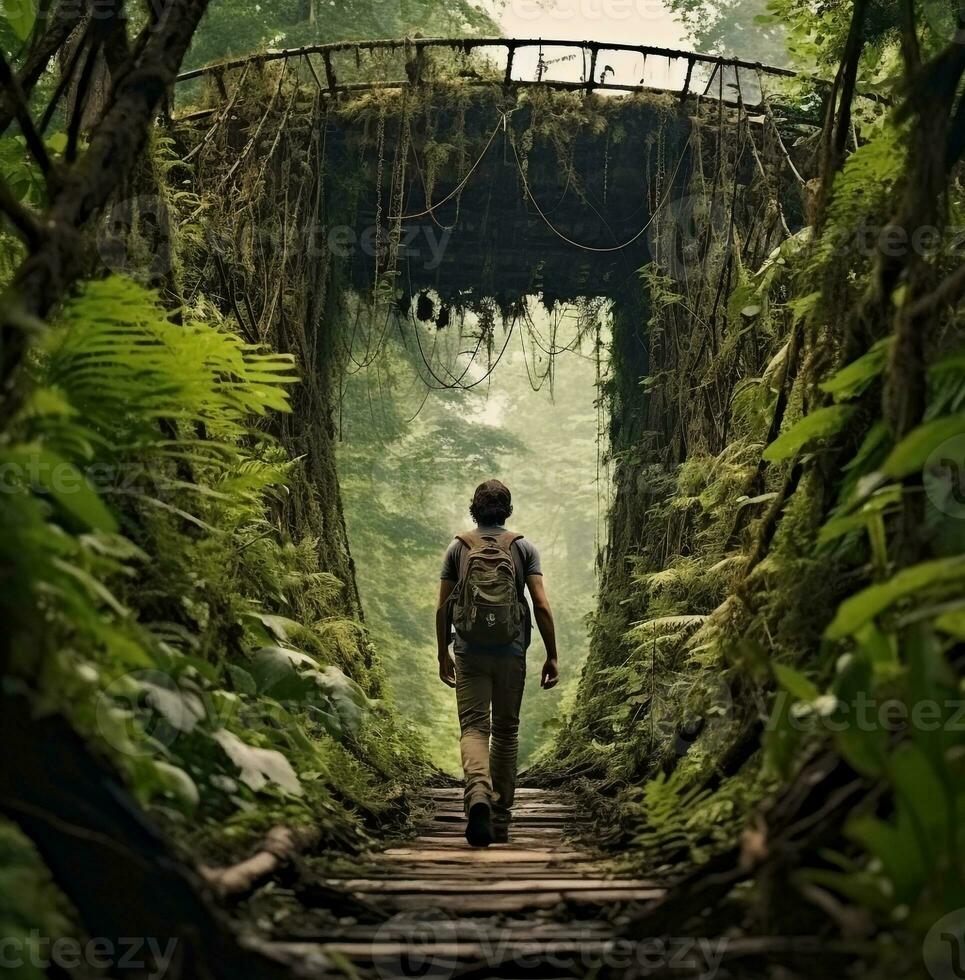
(540, 905)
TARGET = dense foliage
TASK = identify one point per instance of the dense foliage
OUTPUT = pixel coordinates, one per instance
(242, 26)
(141, 518)
(770, 703)
(787, 619)
(735, 28)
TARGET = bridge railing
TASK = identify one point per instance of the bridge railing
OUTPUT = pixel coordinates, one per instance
(703, 75)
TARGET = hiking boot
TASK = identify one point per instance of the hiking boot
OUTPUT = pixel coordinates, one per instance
(479, 826)
(500, 835)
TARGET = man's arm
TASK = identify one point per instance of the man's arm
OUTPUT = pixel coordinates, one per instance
(547, 630)
(447, 673)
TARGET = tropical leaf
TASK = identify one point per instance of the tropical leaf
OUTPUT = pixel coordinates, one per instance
(349, 700)
(21, 15)
(283, 673)
(851, 380)
(819, 424)
(174, 781)
(258, 767)
(796, 683)
(911, 454)
(859, 609)
(47, 471)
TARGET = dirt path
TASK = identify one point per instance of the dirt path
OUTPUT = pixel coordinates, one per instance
(540, 905)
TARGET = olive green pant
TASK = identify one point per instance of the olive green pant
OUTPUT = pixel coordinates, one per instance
(489, 691)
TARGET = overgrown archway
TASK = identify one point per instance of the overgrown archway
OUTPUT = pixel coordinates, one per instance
(442, 198)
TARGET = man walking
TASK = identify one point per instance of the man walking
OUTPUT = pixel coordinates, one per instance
(484, 575)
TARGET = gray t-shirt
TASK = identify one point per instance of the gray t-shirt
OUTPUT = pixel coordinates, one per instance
(528, 558)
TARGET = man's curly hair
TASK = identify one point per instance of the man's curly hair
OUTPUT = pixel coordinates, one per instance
(492, 504)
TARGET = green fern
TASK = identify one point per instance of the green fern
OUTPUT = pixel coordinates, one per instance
(666, 806)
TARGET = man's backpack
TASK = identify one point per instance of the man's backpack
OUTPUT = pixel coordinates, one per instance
(487, 603)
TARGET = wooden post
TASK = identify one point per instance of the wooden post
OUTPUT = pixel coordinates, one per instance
(686, 88)
(591, 76)
(329, 72)
(717, 68)
(311, 68)
(219, 81)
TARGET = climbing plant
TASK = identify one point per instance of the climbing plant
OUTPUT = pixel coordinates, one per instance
(788, 558)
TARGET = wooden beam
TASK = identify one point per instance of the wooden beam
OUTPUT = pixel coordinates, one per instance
(468, 44)
(509, 885)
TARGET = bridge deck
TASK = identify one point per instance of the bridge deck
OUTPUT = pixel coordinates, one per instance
(543, 899)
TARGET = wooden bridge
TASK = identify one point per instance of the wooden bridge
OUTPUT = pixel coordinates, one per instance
(326, 61)
(544, 902)
(575, 172)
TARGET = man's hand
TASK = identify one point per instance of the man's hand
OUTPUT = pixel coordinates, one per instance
(550, 675)
(447, 670)
(544, 620)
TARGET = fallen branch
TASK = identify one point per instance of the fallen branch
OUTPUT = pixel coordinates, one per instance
(280, 847)
(278, 853)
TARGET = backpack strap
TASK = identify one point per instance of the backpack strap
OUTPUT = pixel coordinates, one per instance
(517, 557)
(470, 540)
(506, 541)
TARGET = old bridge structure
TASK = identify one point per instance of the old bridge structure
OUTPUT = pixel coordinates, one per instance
(460, 174)
(429, 167)
(416, 178)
